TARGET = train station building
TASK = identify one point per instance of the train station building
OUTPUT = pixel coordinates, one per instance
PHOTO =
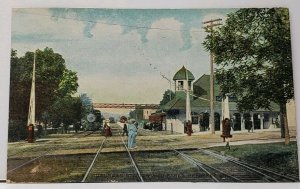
(199, 93)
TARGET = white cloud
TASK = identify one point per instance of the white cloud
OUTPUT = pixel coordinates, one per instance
(112, 66)
(39, 21)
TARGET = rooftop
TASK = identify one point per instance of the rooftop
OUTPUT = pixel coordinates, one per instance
(183, 74)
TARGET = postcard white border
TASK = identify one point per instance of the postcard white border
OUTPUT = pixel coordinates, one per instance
(5, 36)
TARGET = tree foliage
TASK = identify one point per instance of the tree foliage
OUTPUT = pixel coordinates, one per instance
(66, 111)
(166, 97)
(50, 67)
(68, 84)
(54, 86)
(252, 51)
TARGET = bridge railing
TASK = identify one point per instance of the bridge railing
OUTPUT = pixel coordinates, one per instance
(125, 106)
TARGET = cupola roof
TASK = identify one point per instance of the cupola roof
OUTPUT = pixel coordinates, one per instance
(181, 74)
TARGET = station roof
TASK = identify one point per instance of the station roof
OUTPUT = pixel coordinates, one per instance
(183, 74)
(201, 89)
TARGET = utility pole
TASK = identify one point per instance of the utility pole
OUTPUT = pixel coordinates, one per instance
(209, 28)
(170, 82)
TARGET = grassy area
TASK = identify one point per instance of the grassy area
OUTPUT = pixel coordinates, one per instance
(276, 156)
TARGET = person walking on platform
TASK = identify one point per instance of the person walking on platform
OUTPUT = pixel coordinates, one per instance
(125, 130)
(226, 132)
(132, 132)
(189, 129)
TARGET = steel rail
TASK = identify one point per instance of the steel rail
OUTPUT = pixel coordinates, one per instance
(92, 164)
(132, 160)
(201, 164)
(256, 167)
(288, 177)
(27, 162)
(267, 177)
(215, 169)
(97, 155)
(190, 160)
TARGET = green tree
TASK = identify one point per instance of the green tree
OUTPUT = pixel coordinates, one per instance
(87, 102)
(252, 51)
(68, 84)
(50, 67)
(53, 81)
(18, 105)
(167, 96)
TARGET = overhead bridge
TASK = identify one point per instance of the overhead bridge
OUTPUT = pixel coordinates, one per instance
(125, 106)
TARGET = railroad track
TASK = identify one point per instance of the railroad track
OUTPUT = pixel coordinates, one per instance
(170, 166)
(266, 175)
(27, 156)
(113, 167)
(109, 160)
(225, 169)
(36, 145)
(134, 166)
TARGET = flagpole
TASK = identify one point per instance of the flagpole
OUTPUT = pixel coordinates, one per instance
(31, 112)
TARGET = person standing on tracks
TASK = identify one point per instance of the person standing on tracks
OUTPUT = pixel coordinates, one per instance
(226, 126)
(132, 132)
(125, 130)
(107, 130)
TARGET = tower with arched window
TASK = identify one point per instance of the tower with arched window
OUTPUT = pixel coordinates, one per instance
(183, 80)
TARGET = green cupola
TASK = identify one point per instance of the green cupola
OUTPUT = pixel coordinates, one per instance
(183, 80)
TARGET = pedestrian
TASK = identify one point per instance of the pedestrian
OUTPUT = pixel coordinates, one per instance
(125, 131)
(189, 129)
(132, 132)
(226, 126)
(30, 130)
(136, 124)
(107, 130)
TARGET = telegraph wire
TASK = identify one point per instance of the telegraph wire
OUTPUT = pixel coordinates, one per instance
(114, 24)
(155, 68)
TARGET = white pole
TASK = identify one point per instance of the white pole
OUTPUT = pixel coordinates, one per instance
(226, 108)
(188, 101)
(31, 112)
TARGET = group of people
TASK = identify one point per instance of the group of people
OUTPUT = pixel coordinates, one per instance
(226, 129)
(130, 129)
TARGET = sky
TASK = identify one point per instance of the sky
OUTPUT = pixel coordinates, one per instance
(119, 55)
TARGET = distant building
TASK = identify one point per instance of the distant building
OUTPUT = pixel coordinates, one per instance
(142, 112)
(200, 107)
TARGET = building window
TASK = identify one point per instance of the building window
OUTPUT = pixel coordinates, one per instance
(180, 85)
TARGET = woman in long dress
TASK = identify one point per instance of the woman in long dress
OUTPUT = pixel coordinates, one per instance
(226, 131)
(189, 130)
(107, 131)
(132, 132)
